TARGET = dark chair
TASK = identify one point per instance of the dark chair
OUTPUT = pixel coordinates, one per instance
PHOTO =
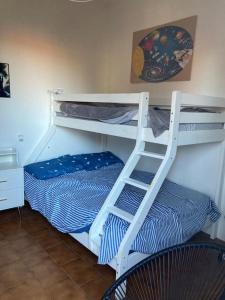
(193, 271)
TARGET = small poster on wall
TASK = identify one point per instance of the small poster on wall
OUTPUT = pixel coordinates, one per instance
(164, 53)
(4, 81)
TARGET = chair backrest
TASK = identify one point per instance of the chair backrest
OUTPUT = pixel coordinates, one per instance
(193, 271)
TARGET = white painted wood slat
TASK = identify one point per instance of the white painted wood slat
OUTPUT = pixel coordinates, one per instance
(200, 137)
(201, 100)
(194, 117)
(136, 183)
(106, 98)
(125, 131)
(151, 154)
(121, 214)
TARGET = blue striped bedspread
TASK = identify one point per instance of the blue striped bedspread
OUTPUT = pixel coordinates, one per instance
(72, 201)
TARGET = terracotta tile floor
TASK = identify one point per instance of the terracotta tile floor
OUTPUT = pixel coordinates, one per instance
(38, 262)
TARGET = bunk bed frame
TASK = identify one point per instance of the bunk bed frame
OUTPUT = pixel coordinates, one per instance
(171, 138)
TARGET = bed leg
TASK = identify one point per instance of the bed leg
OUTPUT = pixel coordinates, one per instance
(121, 266)
(20, 215)
(213, 231)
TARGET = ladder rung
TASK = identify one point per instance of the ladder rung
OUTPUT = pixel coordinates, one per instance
(121, 214)
(152, 154)
(139, 184)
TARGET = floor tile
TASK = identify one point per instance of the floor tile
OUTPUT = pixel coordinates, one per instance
(10, 236)
(35, 255)
(10, 215)
(47, 238)
(66, 290)
(62, 254)
(95, 289)
(47, 273)
(106, 271)
(10, 228)
(82, 251)
(32, 226)
(13, 275)
(81, 272)
(3, 243)
(31, 290)
(8, 255)
(20, 243)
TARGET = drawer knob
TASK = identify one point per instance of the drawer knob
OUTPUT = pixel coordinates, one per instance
(3, 181)
(3, 199)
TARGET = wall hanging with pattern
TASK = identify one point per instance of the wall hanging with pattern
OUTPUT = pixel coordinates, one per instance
(164, 52)
(4, 80)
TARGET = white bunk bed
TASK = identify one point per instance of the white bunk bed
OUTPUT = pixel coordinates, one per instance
(171, 138)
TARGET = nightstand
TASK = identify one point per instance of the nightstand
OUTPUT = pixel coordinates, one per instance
(11, 179)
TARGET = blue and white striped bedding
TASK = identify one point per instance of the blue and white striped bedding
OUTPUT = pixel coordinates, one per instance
(72, 201)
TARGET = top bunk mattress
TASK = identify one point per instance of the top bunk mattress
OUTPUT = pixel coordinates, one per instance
(158, 119)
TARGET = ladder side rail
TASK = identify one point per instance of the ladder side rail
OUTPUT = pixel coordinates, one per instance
(48, 135)
(155, 186)
(97, 226)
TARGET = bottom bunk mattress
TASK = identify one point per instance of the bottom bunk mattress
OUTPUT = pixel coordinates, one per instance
(71, 202)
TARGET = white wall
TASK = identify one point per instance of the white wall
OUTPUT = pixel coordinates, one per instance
(195, 167)
(48, 44)
(127, 16)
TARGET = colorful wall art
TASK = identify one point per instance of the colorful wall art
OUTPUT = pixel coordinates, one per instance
(4, 80)
(164, 52)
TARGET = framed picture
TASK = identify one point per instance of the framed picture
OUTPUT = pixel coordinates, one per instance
(4, 81)
(164, 53)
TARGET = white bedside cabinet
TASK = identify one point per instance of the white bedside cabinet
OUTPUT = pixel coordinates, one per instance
(11, 179)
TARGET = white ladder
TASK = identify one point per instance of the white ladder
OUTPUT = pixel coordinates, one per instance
(125, 179)
(151, 190)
